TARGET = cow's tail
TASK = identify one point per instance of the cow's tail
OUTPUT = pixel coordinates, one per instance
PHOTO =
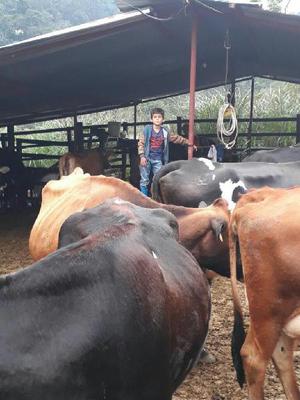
(155, 188)
(238, 334)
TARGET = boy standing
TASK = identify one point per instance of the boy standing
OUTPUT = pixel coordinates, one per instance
(153, 147)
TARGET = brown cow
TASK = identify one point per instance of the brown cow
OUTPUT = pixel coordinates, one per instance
(266, 224)
(199, 229)
(91, 161)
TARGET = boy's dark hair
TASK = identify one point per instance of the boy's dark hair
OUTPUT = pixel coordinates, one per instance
(157, 110)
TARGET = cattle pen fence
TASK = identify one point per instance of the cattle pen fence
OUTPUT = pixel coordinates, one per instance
(35, 148)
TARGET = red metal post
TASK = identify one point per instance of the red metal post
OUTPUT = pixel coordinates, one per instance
(193, 70)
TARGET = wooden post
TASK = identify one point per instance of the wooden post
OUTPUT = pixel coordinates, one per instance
(193, 70)
(78, 137)
(124, 163)
(69, 138)
(179, 125)
(250, 118)
(19, 147)
(134, 119)
(233, 93)
(125, 128)
(3, 140)
(298, 129)
(11, 138)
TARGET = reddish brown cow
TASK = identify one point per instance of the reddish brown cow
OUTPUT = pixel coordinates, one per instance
(266, 224)
(199, 229)
(91, 161)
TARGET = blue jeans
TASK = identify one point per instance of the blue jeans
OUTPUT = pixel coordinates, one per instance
(155, 166)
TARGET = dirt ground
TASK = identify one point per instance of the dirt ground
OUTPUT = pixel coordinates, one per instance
(206, 382)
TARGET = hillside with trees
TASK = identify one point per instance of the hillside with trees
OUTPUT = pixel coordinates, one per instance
(23, 19)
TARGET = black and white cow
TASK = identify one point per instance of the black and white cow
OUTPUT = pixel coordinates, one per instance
(281, 154)
(119, 312)
(201, 181)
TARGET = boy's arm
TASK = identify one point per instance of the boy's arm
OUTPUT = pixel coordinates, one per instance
(141, 149)
(141, 144)
(177, 139)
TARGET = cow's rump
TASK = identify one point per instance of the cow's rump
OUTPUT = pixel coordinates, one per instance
(121, 313)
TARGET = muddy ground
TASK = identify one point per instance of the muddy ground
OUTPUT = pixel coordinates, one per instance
(206, 382)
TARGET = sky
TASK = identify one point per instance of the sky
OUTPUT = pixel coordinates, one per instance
(293, 7)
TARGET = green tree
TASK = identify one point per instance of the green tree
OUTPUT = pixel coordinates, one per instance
(22, 19)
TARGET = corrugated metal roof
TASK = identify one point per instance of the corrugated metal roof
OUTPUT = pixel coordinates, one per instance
(99, 23)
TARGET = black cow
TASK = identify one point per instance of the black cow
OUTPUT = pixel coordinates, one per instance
(280, 155)
(201, 181)
(119, 312)
(12, 184)
(16, 179)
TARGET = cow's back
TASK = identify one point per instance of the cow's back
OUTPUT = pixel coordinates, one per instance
(281, 154)
(72, 194)
(191, 182)
(268, 225)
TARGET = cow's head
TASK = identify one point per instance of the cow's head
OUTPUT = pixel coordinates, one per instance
(205, 234)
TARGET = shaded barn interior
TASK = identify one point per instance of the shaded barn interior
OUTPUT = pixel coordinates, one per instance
(109, 63)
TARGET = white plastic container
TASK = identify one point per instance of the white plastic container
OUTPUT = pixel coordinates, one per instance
(114, 128)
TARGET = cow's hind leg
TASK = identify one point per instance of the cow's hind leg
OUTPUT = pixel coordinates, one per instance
(283, 361)
(255, 363)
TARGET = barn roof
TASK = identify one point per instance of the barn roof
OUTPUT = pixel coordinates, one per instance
(130, 57)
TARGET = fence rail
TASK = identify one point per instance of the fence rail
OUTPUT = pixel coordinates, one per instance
(80, 137)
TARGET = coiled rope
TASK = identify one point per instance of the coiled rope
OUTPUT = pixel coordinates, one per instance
(224, 132)
(227, 133)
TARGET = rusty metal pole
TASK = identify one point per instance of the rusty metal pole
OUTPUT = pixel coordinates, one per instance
(193, 69)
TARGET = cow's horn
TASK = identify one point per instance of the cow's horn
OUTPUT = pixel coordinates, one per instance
(221, 237)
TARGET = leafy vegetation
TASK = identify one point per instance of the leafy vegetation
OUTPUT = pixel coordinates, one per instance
(22, 19)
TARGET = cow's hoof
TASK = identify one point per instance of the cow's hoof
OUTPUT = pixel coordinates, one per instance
(206, 357)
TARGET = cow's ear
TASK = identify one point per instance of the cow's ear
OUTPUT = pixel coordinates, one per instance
(219, 227)
(220, 202)
(4, 170)
(202, 204)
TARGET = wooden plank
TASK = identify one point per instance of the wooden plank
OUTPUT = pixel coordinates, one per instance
(37, 131)
(40, 156)
(43, 143)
